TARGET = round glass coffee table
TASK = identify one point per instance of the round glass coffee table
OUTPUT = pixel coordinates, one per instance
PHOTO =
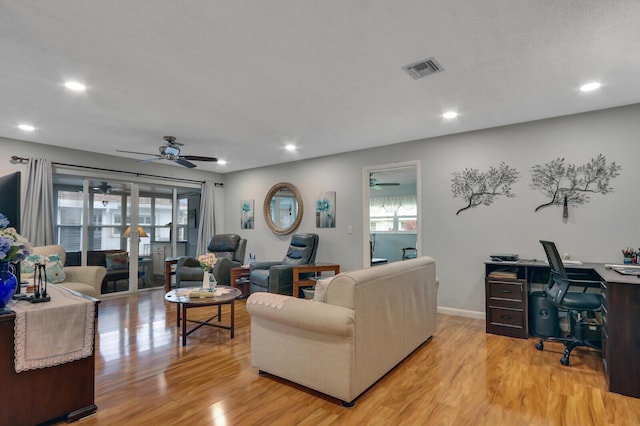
(195, 297)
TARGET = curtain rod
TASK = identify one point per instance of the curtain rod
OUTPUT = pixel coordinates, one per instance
(18, 159)
(218, 184)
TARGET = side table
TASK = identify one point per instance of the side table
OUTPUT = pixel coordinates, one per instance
(315, 268)
(169, 263)
(239, 278)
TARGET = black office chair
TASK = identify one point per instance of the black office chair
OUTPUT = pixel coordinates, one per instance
(581, 306)
(409, 253)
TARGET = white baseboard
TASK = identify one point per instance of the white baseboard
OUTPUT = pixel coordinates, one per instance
(461, 313)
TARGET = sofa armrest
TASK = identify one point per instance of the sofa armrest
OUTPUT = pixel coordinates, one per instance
(281, 279)
(91, 275)
(222, 270)
(300, 313)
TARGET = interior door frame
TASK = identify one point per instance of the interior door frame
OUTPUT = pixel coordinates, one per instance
(366, 261)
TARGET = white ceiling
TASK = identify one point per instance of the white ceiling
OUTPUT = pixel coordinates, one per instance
(240, 79)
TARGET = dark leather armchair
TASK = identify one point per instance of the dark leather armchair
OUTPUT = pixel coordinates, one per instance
(229, 250)
(277, 277)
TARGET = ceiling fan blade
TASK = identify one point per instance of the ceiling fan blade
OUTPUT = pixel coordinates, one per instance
(198, 158)
(148, 160)
(184, 162)
(140, 153)
(387, 184)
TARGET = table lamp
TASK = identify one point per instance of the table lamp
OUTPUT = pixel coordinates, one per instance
(141, 233)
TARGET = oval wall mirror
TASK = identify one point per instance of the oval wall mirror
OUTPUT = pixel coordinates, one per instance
(283, 208)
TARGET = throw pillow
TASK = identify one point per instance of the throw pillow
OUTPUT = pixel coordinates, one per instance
(53, 267)
(118, 260)
(28, 264)
(322, 285)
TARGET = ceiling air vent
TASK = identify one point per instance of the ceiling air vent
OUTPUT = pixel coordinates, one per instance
(423, 68)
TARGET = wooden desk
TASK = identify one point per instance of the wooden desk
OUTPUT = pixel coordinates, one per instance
(316, 268)
(620, 314)
(169, 270)
(239, 278)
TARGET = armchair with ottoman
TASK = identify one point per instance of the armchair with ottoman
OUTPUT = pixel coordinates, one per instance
(229, 250)
(359, 326)
(277, 276)
(83, 279)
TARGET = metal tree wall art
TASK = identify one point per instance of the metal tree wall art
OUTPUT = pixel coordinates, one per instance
(477, 188)
(571, 184)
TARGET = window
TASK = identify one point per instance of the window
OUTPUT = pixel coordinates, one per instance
(393, 214)
(69, 218)
(109, 214)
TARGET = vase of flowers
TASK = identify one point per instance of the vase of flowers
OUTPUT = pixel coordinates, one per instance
(207, 262)
(13, 249)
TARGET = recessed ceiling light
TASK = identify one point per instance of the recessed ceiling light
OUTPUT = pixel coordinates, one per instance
(222, 162)
(26, 127)
(449, 115)
(290, 147)
(594, 85)
(75, 86)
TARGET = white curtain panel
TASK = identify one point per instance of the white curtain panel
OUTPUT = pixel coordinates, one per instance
(207, 225)
(37, 214)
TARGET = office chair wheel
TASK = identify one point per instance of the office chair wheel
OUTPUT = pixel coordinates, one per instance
(540, 345)
(564, 360)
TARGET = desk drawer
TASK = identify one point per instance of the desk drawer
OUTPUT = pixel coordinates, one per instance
(506, 290)
(506, 317)
(507, 322)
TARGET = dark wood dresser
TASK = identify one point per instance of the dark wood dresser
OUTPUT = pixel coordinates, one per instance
(65, 391)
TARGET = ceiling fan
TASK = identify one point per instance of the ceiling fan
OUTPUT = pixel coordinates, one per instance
(374, 184)
(103, 188)
(171, 152)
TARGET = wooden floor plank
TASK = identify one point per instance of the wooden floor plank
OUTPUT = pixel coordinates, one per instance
(462, 376)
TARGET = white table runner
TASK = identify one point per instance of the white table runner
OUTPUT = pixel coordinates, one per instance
(55, 332)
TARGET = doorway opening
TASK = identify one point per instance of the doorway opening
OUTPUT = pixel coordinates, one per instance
(391, 213)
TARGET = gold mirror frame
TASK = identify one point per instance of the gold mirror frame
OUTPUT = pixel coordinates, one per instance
(266, 210)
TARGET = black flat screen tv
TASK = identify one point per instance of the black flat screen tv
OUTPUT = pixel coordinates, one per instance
(10, 196)
(10, 204)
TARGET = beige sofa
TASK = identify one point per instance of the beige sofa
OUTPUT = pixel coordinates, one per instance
(370, 321)
(83, 279)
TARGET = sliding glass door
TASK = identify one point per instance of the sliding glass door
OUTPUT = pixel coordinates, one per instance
(123, 219)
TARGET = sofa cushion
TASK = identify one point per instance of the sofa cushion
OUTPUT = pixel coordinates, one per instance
(54, 272)
(117, 260)
(224, 254)
(320, 294)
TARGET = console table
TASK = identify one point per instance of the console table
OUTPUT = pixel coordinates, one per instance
(507, 313)
(37, 396)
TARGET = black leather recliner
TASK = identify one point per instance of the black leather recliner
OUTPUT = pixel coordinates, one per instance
(229, 250)
(277, 277)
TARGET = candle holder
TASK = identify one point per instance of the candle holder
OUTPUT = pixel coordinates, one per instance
(39, 285)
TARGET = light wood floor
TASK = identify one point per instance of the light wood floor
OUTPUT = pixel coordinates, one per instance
(463, 376)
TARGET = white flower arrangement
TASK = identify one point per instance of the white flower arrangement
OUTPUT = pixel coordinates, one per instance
(207, 261)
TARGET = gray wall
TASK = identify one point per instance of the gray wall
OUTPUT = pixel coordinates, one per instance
(596, 231)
